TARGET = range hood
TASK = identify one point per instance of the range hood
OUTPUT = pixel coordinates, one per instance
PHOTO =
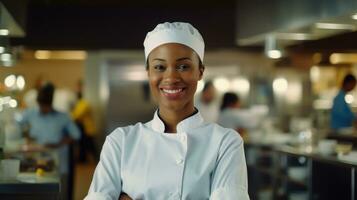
(7, 22)
(291, 22)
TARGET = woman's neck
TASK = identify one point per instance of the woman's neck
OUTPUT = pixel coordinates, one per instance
(172, 117)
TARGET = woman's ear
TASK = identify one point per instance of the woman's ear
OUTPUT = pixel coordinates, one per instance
(202, 69)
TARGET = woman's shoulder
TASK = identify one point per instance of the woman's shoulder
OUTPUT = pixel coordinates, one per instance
(222, 132)
(125, 132)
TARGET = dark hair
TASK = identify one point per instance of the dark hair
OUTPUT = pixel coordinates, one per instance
(207, 85)
(45, 94)
(228, 99)
(348, 78)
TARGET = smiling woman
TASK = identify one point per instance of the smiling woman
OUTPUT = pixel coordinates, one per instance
(176, 155)
(174, 71)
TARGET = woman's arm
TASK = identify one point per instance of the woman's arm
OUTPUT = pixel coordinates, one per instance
(230, 175)
(106, 182)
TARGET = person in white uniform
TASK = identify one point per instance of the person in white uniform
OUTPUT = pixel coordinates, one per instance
(241, 119)
(176, 155)
(206, 104)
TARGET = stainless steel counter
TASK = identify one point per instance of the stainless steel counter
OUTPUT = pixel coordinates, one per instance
(318, 173)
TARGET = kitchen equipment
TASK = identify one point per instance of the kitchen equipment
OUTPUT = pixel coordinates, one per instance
(327, 146)
(343, 148)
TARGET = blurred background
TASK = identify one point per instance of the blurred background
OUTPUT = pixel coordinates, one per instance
(287, 58)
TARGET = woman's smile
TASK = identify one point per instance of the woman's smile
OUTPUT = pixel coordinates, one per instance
(173, 93)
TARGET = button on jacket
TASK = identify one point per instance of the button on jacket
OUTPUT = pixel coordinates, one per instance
(201, 161)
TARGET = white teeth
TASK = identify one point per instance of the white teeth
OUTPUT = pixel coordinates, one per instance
(172, 91)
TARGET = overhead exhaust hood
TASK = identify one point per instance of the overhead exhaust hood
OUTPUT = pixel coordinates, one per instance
(294, 21)
(8, 25)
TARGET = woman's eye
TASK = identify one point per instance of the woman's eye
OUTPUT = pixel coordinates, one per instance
(182, 67)
(159, 67)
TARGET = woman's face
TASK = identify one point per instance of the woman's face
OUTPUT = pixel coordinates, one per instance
(173, 73)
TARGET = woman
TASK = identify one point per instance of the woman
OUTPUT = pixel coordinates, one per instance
(176, 155)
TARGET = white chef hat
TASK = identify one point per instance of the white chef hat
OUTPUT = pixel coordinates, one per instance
(175, 32)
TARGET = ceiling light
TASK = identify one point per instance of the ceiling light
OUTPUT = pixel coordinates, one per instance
(5, 57)
(10, 80)
(275, 54)
(335, 26)
(272, 50)
(4, 32)
(2, 49)
(354, 16)
(13, 103)
(61, 55)
(20, 82)
(42, 54)
(343, 58)
(294, 36)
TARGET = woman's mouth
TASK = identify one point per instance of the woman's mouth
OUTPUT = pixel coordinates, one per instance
(173, 94)
(172, 91)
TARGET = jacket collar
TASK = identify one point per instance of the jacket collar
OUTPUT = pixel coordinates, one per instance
(185, 125)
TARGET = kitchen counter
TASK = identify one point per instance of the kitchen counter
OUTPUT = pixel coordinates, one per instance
(289, 171)
(28, 185)
(31, 186)
(331, 159)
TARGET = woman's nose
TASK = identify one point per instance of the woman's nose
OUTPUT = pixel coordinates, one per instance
(171, 75)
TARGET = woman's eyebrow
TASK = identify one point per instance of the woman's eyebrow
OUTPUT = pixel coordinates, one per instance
(184, 58)
(159, 59)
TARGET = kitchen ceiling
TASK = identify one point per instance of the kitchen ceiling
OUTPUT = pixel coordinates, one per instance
(113, 24)
(120, 24)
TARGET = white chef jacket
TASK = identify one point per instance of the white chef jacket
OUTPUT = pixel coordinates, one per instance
(202, 161)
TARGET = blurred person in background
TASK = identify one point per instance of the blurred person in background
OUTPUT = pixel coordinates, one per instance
(342, 116)
(63, 100)
(176, 155)
(234, 116)
(30, 97)
(206, 103)
(83, 116)
(52, 129)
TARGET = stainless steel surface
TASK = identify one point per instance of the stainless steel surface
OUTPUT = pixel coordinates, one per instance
(286, 19)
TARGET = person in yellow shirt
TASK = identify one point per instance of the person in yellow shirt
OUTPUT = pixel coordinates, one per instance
(83, 116)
